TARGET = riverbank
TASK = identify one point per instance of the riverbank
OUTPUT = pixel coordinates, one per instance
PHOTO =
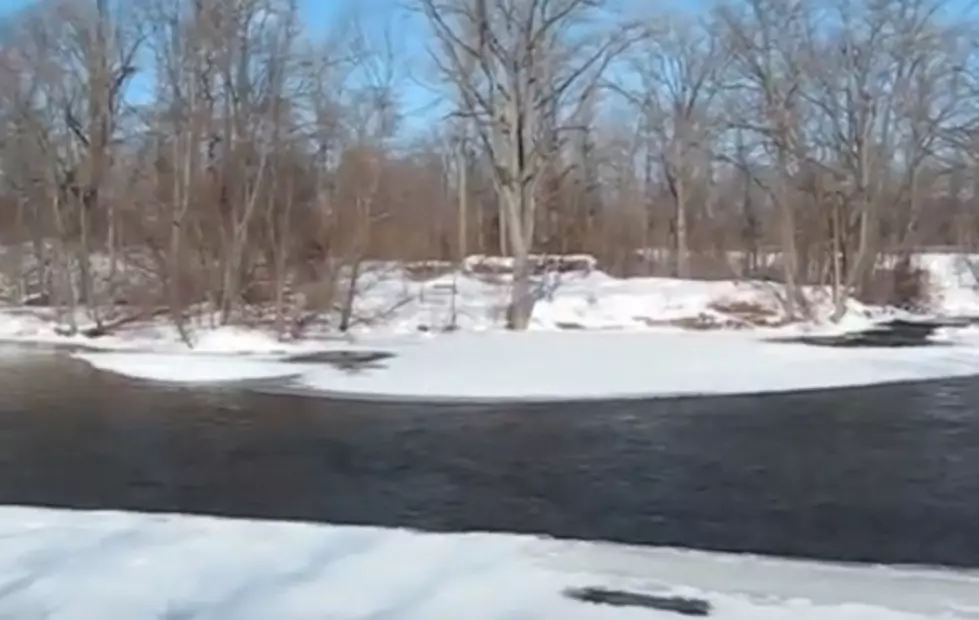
(592, 336)
(176, 565)
(395, 300)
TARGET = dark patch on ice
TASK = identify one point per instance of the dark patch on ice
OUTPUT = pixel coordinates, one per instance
(351, 361)
(620, 598)
(891, 334)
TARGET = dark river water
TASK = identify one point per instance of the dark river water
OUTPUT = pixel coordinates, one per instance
(884, 474)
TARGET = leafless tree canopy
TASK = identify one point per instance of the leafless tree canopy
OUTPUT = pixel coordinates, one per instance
(215, 157)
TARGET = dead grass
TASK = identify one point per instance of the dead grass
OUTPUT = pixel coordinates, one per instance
(422, 271)
(699, 322)
(748, 312)
(538, 264)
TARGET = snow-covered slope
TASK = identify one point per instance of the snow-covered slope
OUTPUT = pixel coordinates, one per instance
(392, 300)
(952, 283)
(389, 302)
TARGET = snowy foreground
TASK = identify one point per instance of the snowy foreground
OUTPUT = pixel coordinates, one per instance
(592, 336)
(67, 565)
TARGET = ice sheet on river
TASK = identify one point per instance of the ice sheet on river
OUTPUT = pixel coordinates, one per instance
(65, 565)
(569, 365)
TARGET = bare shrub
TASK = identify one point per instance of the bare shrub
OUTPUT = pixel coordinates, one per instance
(537, 264)
(748, 312)
(420, 271)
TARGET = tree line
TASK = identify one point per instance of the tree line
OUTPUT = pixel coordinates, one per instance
(183, 156)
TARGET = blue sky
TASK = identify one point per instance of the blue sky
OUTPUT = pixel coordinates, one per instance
(320, 13)
(385, 20)
(9, 6)
(321, 17)
(402, 27)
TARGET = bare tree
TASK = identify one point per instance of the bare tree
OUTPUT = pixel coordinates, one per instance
(254, 172)
(73, 64)
(766, 42)
(678, 69)
(527, 61)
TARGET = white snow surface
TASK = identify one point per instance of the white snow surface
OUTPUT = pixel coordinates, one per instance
(68, 565)
(33, 326)
(390, 301)
(570, 366)
(575, 366)
(952, 283)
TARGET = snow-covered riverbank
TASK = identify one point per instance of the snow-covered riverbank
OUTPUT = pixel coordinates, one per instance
(69, 564)
(592, 336)
(392, 300)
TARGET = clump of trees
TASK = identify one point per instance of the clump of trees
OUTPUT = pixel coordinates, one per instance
(214, 156)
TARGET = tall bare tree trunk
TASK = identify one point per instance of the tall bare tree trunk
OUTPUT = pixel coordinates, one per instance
(463, 202)
(682, 249)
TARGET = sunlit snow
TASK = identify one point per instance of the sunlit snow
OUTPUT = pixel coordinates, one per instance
(68, 565)
(569, 366)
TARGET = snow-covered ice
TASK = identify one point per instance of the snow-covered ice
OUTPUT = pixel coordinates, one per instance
(68, 565)
(571, 366)
(555, 366)
(176, 368)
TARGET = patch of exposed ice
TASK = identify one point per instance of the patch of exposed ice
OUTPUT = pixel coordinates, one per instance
(70, 565)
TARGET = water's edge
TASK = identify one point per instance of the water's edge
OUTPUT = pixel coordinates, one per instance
(885, 474)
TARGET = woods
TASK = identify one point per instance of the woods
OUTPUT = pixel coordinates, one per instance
(221, 158)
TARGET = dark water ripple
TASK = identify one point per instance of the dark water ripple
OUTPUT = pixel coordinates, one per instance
(884, 474)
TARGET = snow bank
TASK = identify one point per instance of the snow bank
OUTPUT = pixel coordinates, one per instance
(575, 366)
(952, 282)
(392, 301)
(67, 565)
(475, 298)
(230, 339)
(39, 326)
(578, 300)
